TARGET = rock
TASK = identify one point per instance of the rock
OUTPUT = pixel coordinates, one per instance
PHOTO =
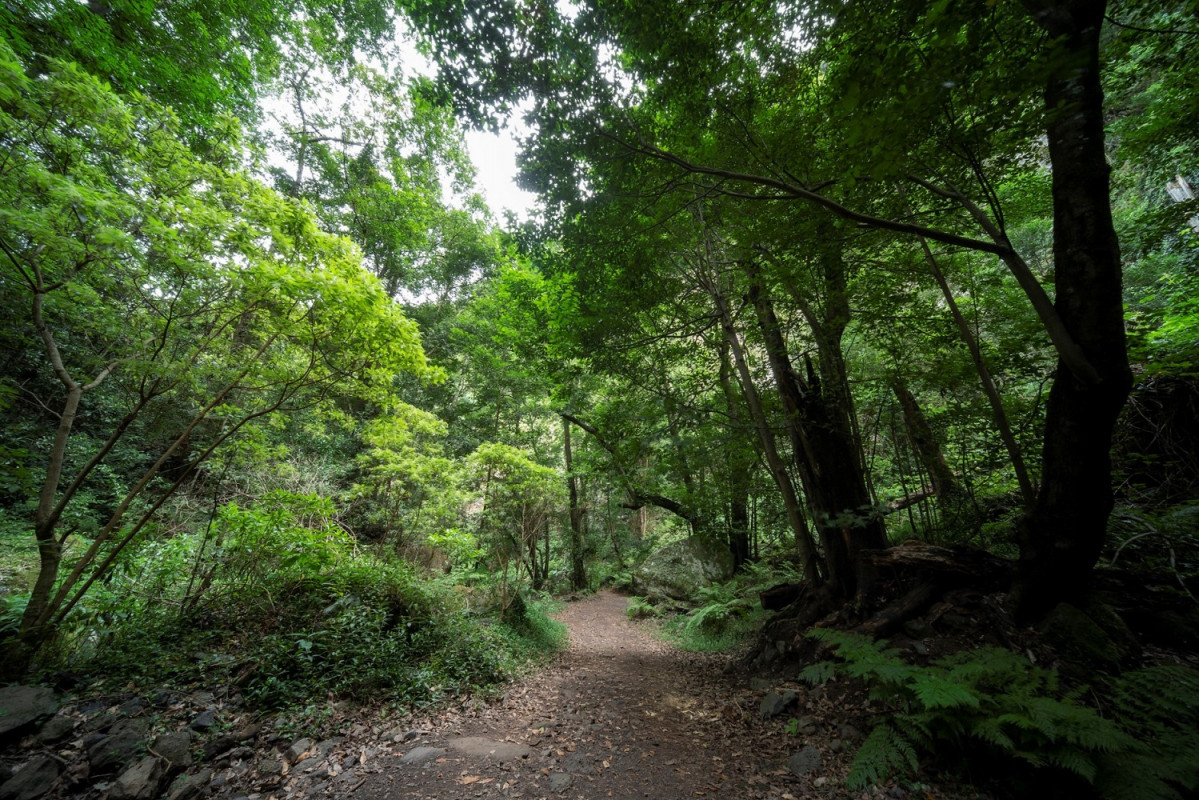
(188, 787)
(204, 721)
(804, 761)
(131, 707)
(775, 703)
(318, 753)
(175, 749)
(56, 729)
(805, 725)
(917, 628)
(123, 742)
(298, 749)
(32, 780)
(419, 755)
(270, 766)
(141, 781)
(202, 699)
(100, 723)
(1079, 638)
(486, 748)
(23, 705)
(836, 746)
(675, 570)
(5, 773)
(560, 781)
(217, 746)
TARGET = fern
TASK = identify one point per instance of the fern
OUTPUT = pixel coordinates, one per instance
(1147, 748)
(884, 752)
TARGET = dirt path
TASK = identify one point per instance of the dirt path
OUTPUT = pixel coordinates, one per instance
(620, 714)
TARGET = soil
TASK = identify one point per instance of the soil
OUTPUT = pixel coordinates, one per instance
(620, 714)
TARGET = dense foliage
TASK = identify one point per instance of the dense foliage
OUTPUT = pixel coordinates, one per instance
(808, 279)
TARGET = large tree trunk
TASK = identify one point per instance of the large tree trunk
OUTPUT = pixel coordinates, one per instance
(826, 454)
(1061, 537)
(778, 468)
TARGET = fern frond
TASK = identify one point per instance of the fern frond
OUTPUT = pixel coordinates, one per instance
(819, 673)
(1074, 760)
(883, 753)
(937, 690)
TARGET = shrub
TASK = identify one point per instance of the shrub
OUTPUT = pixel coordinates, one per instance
(995, 701)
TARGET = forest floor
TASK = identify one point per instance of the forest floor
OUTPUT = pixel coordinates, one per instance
(619, 714)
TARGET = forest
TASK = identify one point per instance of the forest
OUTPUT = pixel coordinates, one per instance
(854, 340)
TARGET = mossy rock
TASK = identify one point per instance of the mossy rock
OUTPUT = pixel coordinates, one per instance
(679, 568)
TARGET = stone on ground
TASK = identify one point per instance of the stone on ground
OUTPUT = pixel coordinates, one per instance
(419, 755)
(487, 748)
(32, 780)
(804, 761)
(21, 705)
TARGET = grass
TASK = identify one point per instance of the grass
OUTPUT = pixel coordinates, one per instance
(729, 634)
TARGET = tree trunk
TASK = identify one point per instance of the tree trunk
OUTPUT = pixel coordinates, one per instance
(1061, 538)
(578, 569)
(738, 467)
(826, 454)
(778, 469)
(998, 414)
(941, 479)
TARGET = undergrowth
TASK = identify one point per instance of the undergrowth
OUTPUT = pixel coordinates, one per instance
(725, 615)
(992, 702)
(285, 612)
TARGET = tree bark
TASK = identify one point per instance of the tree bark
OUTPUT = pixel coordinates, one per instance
(825, 452)
(578, 569)
(738, 467)
(778, 469)
(942, 481)
(1061, 538)
(998, 413)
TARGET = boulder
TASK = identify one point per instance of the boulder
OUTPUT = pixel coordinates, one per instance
(32, 780)
(676, 570)
(204, 721)
(298, 749)
(23, 705)
(1079, 638)
(57, 729)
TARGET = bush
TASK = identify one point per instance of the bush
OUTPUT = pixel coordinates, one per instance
(277, 599)
(995, 702)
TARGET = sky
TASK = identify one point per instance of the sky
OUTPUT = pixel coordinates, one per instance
(494, 157)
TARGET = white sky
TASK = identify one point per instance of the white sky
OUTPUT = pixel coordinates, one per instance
(494, 157)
